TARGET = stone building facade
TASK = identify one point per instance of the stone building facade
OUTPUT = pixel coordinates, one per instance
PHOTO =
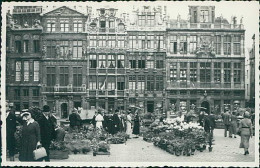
(74, 58)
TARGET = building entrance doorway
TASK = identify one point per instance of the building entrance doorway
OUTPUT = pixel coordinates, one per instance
(64, 110)
(150, 106)
(206, 106)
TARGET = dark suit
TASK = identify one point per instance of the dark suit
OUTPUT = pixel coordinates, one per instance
(116, 123)
(47, 132)
(227, 122)
(10, 130)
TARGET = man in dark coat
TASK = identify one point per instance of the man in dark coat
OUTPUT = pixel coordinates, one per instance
(10, 130)
(116, 123)
(74, 120)
(136, 128)
(94, 120)
(227, 122)
(47, 130)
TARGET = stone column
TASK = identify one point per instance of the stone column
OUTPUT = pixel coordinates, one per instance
(71, 105)
(198, 74)
(242, 75)
(232, 45)
(57, 75)
(232, 75)
(242, 45)
(222, 44)
(212, 73)
(188, 74)
(178, 44)
(188, 43)
(222, 74)
(106, 104)
(71, 75)
(84, 76)
(221, 105)
(178, 72)
(57, 107)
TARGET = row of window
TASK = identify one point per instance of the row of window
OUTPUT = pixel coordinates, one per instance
(65, 26)
(205, 72)
(77, 26)
(25, 92)
(153, 82)
(25, 46)
(22, 70)
(142, 42)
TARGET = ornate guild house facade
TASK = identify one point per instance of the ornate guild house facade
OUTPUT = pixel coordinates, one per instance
(69, 58)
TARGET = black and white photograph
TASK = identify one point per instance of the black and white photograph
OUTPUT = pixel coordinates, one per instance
(130, 83)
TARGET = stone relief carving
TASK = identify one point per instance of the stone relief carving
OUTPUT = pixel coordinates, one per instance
(205, 47)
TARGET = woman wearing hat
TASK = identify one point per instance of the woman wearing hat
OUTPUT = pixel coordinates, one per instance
(245, 128)
(31, 137)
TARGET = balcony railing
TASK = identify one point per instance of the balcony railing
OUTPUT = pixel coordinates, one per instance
(203, 26)
(203, 85)
(28, 10)
(64, 89)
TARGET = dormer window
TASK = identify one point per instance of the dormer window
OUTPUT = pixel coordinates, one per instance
(121, 27)
(204, 16)
(141, 20)
(111, 24)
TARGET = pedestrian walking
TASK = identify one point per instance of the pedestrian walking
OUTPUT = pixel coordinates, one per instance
(245, 128)
(99, 119)
(201, 117)
(74, 120)
(116, 122)
(122, 126)
(227, 122)
(94, 119)
(47, 129)
(136, 128)
(234, 124)
(31, 137)
(212, 121)
(129, 124)
(10, 130)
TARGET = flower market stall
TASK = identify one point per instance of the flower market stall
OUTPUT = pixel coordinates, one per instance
(85, 141)
(177, 137)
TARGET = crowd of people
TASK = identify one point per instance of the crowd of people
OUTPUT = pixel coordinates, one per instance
(111, 123)
(234, 124)
(41, 131)
(33, 134)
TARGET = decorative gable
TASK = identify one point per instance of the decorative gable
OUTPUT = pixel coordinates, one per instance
(63, 11)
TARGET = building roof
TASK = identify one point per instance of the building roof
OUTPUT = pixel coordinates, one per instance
(56, 9)
(219, 19)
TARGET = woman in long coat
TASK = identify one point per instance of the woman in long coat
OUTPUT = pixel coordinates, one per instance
(136, 128)
(31, 138)
(245, 128)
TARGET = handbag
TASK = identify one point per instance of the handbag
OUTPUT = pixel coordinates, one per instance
(39, 153)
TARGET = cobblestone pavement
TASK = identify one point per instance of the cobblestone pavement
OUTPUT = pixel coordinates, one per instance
(137, 150)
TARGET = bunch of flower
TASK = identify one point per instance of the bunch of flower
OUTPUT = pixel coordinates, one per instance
(57, 145)
(103, 146)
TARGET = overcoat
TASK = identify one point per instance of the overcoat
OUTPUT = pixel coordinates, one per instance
(30, 136)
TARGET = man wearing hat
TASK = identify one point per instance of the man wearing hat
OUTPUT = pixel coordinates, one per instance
(47, 129)
(10, 130)
(227, 121)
